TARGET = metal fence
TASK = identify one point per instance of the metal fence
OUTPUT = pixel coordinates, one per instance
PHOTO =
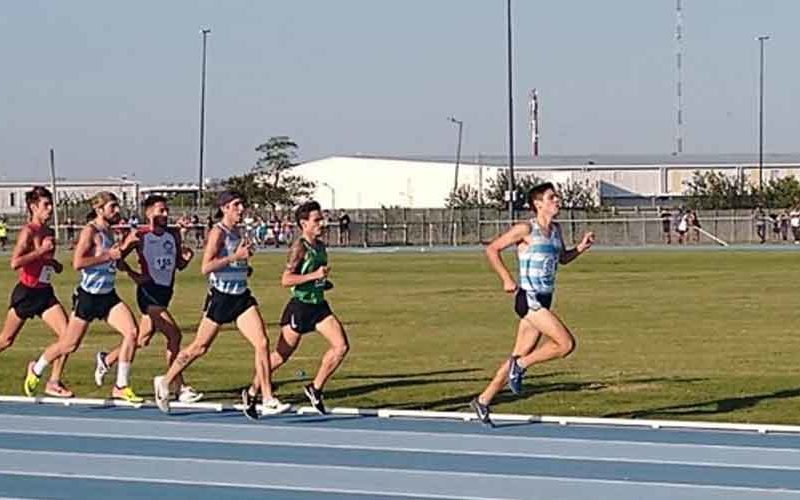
(614, 231)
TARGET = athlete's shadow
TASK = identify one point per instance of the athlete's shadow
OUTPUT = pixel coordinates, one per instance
(711, 407)
(407, 375)
(533, 388)
(382, 381)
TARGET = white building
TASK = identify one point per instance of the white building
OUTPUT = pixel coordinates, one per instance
(371, 182)
(12, 193)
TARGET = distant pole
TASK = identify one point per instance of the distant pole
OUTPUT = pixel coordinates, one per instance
(679, 77)
(205, 33)
(534, 119)
(455, 178)
(458, 150)
(510, 119)
(53, 188)
(333, 194)
(761, 41)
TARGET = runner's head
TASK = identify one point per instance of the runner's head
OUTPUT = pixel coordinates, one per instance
(106, 205)
(230, 206)
(309, 218)
(156, 210)
(543, 199)
(39, 202)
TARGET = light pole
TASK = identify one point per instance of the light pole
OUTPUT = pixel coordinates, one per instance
(333, 194)
(510, 120)
(205, 33)
(761, 40)
(458, 150)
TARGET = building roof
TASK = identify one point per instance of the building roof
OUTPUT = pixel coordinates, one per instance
(621, 160)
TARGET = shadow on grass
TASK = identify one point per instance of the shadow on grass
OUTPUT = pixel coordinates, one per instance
(532, 389)
(388, 381)
(711, 407)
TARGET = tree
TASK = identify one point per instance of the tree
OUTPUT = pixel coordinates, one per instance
(575, 194)
(465, 196)
(713, 190)
(248, 187)
(783, 192)
(496, 192)
(272, 173)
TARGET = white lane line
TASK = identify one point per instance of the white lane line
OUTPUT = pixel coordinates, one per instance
(392, 441)
(383, 481)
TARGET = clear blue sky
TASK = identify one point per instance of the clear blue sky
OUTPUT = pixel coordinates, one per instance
(114, 86)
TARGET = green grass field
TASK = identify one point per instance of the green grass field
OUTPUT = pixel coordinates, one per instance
(684, 335)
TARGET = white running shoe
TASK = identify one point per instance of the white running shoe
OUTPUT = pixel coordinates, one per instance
(100, 368)
(187, 394)
(161, 394)
(273, 407)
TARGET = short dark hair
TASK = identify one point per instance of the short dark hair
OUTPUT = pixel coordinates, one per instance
(34, 195)
(304, 210)
(153, 199)
(538, 191)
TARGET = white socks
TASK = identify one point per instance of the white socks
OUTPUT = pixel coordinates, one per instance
(39, 366)
(123, 369)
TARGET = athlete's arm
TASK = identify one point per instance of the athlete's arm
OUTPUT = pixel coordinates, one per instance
(23, 253)
(568, 256)
(81, 258)
(290, 277)
(183, 254)
(493, 252)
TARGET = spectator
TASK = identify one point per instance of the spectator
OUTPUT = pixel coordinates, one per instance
(183, 226)
(760, 219)
(198, 231)
(666, 225)
(133, 221)
(3, 233)
(344, 229)
(776, 225)
(784, 221)
(694, 223)
(683, 227)
(794, 221)
(71, 232)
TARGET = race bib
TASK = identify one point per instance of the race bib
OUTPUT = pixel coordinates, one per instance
(164, 263)
(46, 275)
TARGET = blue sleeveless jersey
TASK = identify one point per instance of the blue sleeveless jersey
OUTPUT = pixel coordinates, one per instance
(231, 279)
(100, 279)
(539, 261)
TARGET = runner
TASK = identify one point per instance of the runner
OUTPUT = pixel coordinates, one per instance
(33, 258)
(540, 249)
(306, 274)
(225, 261)
(95, 298)
(160, 254)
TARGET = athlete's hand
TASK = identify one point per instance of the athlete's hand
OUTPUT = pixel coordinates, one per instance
(321, 272)
(57, 266)
(47, 245)
(186, 254)
(114, 253)
(587, 242)
(509, 286)
(243, 251)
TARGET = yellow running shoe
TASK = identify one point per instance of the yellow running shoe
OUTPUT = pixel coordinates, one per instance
(126, 394)
(31, 381)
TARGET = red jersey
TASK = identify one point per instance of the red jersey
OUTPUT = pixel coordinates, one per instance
(38, 273)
